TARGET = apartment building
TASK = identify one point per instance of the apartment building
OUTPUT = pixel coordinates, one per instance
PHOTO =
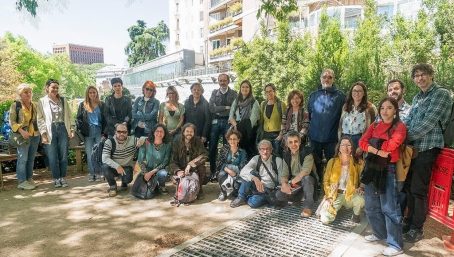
(80, 54)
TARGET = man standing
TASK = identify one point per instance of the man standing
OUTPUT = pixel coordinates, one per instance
(118, 108)
(189, 155)
(428, 117)
(297, 181)
(119, 162)
(220, 101)
(261, 177)
(396, 90)
(325, 108)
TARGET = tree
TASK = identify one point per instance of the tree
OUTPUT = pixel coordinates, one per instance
(9, 77)
(279, 9)
(146, 43)
(29, 5)
(331, 51)
(365, 61)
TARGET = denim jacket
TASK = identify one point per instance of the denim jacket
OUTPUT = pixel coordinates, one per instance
(149, 116)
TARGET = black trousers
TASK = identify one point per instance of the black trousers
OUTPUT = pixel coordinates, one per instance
(111, 173)
(417, 186)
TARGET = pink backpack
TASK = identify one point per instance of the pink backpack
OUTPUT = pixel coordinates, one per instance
(187, 188)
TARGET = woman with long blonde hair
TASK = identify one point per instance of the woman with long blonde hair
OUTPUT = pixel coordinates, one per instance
(90, 123)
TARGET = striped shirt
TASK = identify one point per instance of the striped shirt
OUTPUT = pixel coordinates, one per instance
(430, 110)
(123, 154)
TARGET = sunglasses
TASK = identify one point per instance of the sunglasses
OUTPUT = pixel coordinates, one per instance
(122, 132)
(150, 89)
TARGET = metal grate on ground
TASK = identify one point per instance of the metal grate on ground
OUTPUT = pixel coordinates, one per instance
(271, 232)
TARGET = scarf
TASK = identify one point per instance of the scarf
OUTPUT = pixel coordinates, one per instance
(245, 107)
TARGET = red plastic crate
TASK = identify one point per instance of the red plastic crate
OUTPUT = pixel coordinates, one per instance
(440, 188)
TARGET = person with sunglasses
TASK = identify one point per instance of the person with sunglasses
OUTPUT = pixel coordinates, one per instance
(145, 110)
(117, 158)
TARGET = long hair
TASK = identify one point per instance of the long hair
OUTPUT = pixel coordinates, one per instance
(88, 104)
(174, 90)
(291, 94)
(192, 142)
(396, 118)
(349, 102)
(240, 96)
(151, 84)
(165, 139)
(337, 151)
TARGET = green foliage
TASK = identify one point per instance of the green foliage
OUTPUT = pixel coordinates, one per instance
(279, 9)
(331, 51)
(29, 5)
(4, 106)
(146, 43)
(365, 61)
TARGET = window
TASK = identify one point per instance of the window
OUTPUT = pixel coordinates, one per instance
(176, 7)
(386, 11)
(201, 15)
(216, 44)
(227, 41)
(201, 32)
(352, 17)
(178, 24)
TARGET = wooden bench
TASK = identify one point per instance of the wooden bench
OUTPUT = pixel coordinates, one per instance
(11, 157)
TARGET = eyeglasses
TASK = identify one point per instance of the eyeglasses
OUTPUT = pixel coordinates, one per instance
(419, 75)
(122, 131)
(150, 89)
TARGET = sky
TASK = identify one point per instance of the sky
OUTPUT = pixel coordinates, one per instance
(99, 23)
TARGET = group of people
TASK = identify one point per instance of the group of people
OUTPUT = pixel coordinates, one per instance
(272, 152)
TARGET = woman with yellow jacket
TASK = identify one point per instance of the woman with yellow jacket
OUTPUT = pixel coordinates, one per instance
(341, 183)
(23, 120)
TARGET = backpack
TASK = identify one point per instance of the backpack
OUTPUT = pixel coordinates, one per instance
(143, 189)
(448, 131)
(96, 154)
(187, 188)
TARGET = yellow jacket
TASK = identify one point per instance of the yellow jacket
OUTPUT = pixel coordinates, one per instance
(333, 174)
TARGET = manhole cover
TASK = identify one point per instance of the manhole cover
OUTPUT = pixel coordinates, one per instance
(271, 232)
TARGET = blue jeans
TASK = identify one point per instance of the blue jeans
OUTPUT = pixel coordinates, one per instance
(26, 158)
(162, 177)
(249, 193)
(383, 210)
(93, 138)
(218, 129)
(57, 151)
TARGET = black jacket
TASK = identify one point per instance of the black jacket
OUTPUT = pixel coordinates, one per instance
(117, 114)
(198, 114)
(82, 119)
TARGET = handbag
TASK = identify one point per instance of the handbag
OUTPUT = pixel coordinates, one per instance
(15, 139)
(143, 189)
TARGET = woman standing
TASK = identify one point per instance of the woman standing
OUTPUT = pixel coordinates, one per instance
(145, 110)
(357, 113)
(197, 112)
(341, 183)
(244, 114)
(383, 139)
(156, 155)
(91, 123)
(295, 118)
(23, 120)
(55, 125)
(171, 112)
(230, 161)
(271, 114)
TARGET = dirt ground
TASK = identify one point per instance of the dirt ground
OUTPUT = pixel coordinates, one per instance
(82, 220)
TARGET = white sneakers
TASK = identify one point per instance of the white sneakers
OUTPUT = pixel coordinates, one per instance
(371, 238)
(26, 185)
(391, 251)
(388, 251)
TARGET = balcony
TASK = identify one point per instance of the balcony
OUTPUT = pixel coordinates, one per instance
(220, 24)
(226, 52)
(219, 5)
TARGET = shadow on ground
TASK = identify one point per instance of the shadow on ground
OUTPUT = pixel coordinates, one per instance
(83, 221)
